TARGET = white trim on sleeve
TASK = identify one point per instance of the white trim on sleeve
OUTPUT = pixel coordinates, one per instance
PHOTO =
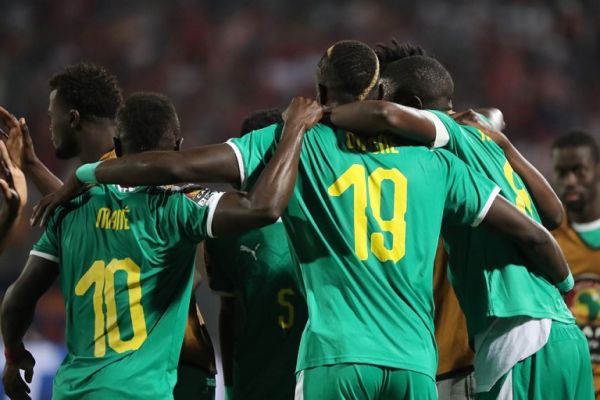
(441, 133)
(45, 256)
(240, 161)
(486, 207)
(212, 206)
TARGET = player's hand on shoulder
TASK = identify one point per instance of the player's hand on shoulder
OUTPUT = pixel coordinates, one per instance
(474, 119)
(14, 386)
(44, 209)
(304, 111)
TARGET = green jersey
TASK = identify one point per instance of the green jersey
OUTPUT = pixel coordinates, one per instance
(486, 269)
(126, 259)
(270, 311)
(364, 221)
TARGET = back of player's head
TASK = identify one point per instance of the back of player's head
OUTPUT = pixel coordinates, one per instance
(348, 71)
(388, 53)
(418, 81)
(261, 119)
(578, 138)
(147, 121)
(89, 89)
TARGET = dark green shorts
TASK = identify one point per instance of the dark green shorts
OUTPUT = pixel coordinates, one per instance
(194, 383)
(364, 382)
(559, 370)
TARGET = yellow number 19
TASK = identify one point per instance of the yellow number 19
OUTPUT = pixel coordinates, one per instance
(102, 277)
(371, 186)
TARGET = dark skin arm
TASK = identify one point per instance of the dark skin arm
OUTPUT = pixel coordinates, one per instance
(20, 147)
(534, 241)
(16, 316)
(547, 202)
(382, 116)
(236, 212)
(376, 116)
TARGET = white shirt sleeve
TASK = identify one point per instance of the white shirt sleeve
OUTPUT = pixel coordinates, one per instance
(441, 133)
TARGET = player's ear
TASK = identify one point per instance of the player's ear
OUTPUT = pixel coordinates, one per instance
(415, 102)
(178, 143)
(118, 146)
(74, 118)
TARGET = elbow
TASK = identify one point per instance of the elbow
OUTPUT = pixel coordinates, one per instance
(270, 214)
(387, 115)
(554, 220)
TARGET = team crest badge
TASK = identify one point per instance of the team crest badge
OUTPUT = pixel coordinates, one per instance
(200, 196)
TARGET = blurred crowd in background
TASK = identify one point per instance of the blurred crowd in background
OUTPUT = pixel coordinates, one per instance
(220, 60)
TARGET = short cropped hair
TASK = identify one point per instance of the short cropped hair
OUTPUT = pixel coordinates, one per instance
(147, 118)
(421, 76)
(88, 88)
(578, 138)
(354, 64)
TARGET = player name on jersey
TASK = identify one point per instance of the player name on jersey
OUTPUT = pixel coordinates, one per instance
(378, 144)
(112, 219)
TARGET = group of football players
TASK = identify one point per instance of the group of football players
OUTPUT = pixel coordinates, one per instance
(369, 230)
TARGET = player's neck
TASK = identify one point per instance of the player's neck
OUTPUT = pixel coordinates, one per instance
(96, 139)
(590, 213)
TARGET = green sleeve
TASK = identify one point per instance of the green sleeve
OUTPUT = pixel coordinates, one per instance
(195, 212)
(217, 263)
(253, 150)
(48, 246)
(469, 194)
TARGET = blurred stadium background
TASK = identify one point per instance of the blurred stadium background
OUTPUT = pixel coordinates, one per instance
(219, 60)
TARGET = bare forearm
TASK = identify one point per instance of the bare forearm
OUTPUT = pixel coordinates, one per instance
(547, 202)
(375, 116)
(17, 315)
(275, 184)
(214, 163)
(535, 242)
(43, 179)
(544, 254)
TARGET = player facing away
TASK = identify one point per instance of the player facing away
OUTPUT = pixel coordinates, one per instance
(125, 257)
(263, 312)
(488, 271)
(364, 222)
(83, 102)
(576, 162)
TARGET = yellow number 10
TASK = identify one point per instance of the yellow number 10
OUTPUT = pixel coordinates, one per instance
(371, 186)
(102, 277)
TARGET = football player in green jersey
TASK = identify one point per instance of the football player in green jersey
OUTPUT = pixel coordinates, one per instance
(367, 282)
(486, 269)
(262, 311)
(126, 257)
(83, 102)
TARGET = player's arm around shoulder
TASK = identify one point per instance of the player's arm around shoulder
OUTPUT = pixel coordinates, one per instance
(265, 202)
(548, 204)
(16, 315)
